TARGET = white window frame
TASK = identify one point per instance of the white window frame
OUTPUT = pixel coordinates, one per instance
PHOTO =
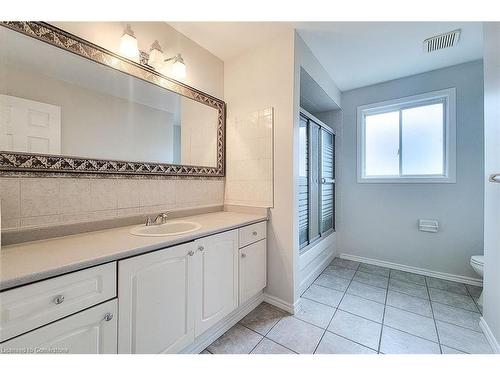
(446, 96)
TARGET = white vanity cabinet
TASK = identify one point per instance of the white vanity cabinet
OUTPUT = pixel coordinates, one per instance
(34, 305)
(92, 331)
(252, 261)
(156, 301)
(172, 300)
(216, 287)
(168, 297)
(252, 270)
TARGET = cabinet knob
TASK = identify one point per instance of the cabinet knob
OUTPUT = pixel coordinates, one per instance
(254, 233)
(201, 248)
(243, 255)
(59, 299)
(191, 253)
(108, 317)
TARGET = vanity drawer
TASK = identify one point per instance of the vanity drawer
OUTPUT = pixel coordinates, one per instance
(252, 233)
(31, 306)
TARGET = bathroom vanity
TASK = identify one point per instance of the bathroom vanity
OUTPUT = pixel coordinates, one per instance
(167, 288)
(114, 292)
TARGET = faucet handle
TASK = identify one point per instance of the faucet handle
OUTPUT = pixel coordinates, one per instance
(161, 218)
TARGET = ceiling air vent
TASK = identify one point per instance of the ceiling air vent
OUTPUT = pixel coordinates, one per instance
(442, 41)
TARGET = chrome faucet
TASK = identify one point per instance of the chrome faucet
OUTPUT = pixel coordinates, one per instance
(160, 219)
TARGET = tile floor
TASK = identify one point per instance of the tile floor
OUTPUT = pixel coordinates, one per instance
(361, 308)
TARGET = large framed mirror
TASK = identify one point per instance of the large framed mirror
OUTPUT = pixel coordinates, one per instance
(69, 106)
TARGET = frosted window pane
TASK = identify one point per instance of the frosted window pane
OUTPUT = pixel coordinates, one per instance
(422, 140)
(382, 144)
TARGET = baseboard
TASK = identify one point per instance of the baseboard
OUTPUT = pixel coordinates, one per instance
(489, 336)
(280, 304)
(420, 271)
(223, 326)
(315, 273)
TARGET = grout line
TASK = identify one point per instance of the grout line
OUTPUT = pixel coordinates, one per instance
(448, 291)
(383, 315)
(338, 290)
(270, 329)
(451, 347)
(368, 299)
(475, 302)
(324, 331)
(457, 325)
(277, 343)
(408, 294)
(409, 311)
(321, 303)
(250, 352)
(351, 340)
(359, 316)
(315, 325)
(274, 325)
(411, 334)
(337, 309)
(457, 307)
(375, 286)
(344, 268)
(434, 318)
(406, 280)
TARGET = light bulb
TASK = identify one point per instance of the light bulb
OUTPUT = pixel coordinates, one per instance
(128, 44)
(156, 56)
(178, 67)
(163, 69)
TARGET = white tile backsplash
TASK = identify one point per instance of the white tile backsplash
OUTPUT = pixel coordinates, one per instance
(104, 194)
(249, 179)
(36, 202)
(74, 196)
(10, 194)
(39, 197)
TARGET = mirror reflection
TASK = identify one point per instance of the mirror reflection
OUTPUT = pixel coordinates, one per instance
(55, 102)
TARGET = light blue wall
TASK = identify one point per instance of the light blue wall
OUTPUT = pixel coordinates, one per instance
(379, 221)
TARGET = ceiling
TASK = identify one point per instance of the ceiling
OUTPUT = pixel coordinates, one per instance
(355, 54)
(229, 39)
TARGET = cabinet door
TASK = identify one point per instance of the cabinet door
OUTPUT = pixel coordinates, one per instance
(216, 279)
(92, 331)
(252, 270)
(156, 302)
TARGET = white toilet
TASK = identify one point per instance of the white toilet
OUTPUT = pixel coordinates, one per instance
(477, 263)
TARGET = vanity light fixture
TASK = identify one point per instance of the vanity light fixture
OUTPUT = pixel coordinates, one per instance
(128, 44)
(154, 59)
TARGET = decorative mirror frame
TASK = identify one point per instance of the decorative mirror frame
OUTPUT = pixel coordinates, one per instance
(18, 163)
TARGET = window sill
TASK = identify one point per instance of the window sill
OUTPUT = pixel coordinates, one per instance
(407, 180)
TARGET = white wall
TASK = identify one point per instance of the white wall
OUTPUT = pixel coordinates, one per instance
(258, 79)
(307, 266)
(492, 165)
(379, 221)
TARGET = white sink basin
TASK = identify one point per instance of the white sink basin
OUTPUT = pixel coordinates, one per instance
(171, 228)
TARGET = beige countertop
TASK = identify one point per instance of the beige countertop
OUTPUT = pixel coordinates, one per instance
(33, 261)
